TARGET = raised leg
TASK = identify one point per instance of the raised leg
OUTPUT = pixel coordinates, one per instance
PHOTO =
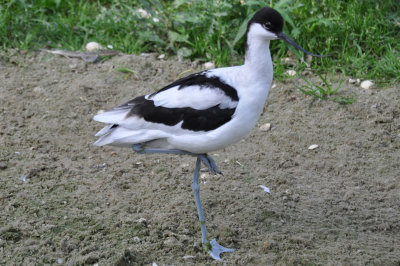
(212, 246)
(207, 160)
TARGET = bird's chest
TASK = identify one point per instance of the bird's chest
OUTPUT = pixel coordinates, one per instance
(252, 99)
(249, 109)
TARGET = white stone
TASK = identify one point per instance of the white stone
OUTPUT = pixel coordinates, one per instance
(352, 81)
(289, 61)
(209, 65)
(161, 56)
(143, 13)
(266, 189)
(93, 46)
(367, 84)
(142, 220)
(38, 90)
(204, 176)
(313, 147)
(100, 112)
(291, 73)
(265, 127)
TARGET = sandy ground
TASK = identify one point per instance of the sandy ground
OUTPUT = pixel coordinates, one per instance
(335, 205)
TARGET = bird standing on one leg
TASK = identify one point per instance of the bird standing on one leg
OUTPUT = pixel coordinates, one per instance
(202, 112)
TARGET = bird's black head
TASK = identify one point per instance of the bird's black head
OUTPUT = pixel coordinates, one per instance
(272, 22)
(269, 18)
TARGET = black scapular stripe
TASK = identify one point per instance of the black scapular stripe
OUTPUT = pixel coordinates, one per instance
(202, 80)
(193, 119)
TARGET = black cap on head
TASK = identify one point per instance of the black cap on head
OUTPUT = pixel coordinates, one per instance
(271, 20)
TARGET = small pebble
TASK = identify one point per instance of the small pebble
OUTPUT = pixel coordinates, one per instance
(100, 112)
(265, 127)
(184, 165)
(273, 86)
(291, 73)
(3, 165)
(38, 90)
(204, 176)
(188, 257)
(142, 220)
(143, 13)
(209, 65)
(352, 81)
(93, 46)
(313, 147)
(289, 61)
(161, 56)
(367, 84)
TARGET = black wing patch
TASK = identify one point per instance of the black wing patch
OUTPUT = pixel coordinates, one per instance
(193, 119)
(202, 80)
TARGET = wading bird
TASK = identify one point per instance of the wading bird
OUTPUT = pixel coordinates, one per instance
(202, 112)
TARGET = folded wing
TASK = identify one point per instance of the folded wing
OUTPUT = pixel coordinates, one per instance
(199, 102)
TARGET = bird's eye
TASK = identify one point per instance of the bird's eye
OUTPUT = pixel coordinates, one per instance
(267, 25)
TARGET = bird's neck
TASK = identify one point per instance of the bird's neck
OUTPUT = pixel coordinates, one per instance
(258, 56)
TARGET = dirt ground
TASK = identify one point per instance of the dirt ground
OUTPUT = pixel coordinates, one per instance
(64, 201)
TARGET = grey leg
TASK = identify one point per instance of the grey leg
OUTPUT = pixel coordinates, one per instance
(196, 193)
(139, 149)
(212, 246)
(207, 160)
(211, 164)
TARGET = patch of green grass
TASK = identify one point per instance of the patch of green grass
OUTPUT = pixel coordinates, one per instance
(362, 36)
(127, 71)
(325, 91)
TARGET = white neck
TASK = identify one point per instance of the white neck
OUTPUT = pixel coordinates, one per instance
(258, 57)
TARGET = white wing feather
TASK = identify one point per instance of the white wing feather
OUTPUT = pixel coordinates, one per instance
(196, 97)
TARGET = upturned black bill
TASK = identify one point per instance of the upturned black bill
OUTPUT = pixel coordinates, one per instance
(283, 36)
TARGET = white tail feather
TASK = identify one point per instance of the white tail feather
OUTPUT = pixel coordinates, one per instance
(112, 117)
